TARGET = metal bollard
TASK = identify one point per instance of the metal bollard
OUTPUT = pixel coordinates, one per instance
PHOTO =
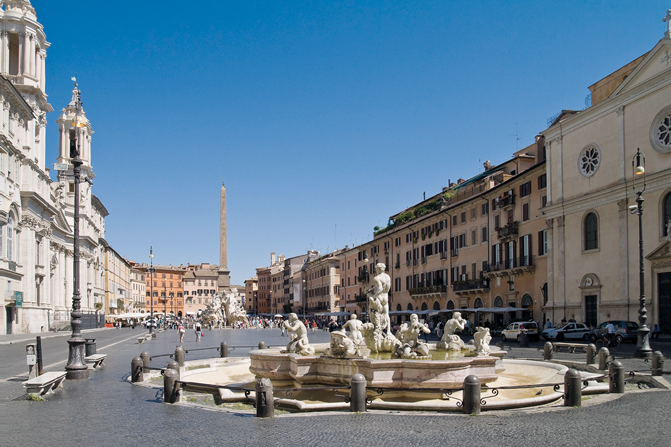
(223, 349)
(170, 377)
(657, 363)
(179, 355)
(146, 360)
(604, 353)
(357, 393)
(547, 351)
(524, 340)
(262, 345)
(174, 365)
(591, 353)
(616, 382)
(471, 404)
(265, 403)
(136, 370)
(572, 388)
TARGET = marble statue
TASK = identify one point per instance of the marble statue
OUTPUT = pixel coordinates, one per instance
(299, 343)
(408, 336)
(341, 346)
(378, 299)
(377, 334)
(667, 19)
(213, 312)
(355, 325)
(232, 310)
(450, 340)
(481, 340)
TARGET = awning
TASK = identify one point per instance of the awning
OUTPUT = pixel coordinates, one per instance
(333, 314)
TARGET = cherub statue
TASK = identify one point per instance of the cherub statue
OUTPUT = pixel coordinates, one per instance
(299, 336)
(481, 340)
(450, 340)
(355, 325)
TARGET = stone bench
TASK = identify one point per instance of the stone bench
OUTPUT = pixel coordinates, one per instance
(95, 360)
(571, 346)
(140, 339)
(45, 383)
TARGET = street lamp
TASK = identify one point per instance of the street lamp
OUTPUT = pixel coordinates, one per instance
(151, 292)
(76, 368)
(638, 166)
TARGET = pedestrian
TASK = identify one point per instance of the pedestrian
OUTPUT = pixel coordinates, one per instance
(199, 332)
(181, 331)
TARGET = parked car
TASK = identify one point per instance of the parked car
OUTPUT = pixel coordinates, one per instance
(513, 331)
(624, 330)
(569, 331)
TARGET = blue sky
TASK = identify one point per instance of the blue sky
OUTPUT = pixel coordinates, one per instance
(324, 118)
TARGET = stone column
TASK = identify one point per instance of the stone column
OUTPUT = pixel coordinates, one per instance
(43, 79)
(623, 220)
(25, 47)
(4, 51)
(561, 261)
(558, 160)
(224, 280)
(548, 172)
(32, 56)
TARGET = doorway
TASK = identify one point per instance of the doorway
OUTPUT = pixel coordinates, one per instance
(9, 319)
(591, 316)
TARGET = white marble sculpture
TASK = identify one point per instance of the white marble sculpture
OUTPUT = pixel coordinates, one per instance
(341, 346)
(299, 343)
(355, 326)
(232, 309)
(408, 336)
(450, 340)
(377, 333)
(481, 340)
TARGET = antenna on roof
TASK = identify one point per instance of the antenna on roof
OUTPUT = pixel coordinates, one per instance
(517, 137)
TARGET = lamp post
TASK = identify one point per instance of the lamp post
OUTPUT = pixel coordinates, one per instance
(165, 306)
(151, 291)
(638, 166)
(76, 368)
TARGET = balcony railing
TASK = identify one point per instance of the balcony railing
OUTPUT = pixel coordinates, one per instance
(443, 255)
(428, 290)
(509, 229)
(470, 285)
(454, 252)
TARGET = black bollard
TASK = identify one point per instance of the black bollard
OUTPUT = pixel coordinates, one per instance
(136, 370)
(262, 345)
(146, 360)
(223, 349)
(616, 382)
(265, 402)
(547, 351)
(471, 395)
(657, 363)
(170, 378)
(174, 365)
(357, 393)
(604, 353)
(179, 355)
(38, 351)
(590, 351)
(524, 339)
(572, 388)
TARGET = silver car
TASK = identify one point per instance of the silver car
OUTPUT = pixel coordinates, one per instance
(569, 331)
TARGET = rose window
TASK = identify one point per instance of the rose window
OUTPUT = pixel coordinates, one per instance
(589, 161)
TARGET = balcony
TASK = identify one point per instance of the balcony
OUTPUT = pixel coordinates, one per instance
(508, 230)
(397, 265)
(454, 252)
(514, 266)
(472, 286)
(427, 291)
(443, 255)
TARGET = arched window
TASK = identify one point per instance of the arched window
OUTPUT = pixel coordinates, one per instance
(436, 305)
(666, 212)
(498, 302)
(591, 232)
(478, 303)
(424, 306)
(527, 301)
(10, 238)
(398, 307)
(450, 304)
(410, 306)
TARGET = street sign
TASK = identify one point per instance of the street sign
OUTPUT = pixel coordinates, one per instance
(31, 359)
(18, 296)
(60, 166)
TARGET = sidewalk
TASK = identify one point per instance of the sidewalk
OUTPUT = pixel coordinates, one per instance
(9, 339)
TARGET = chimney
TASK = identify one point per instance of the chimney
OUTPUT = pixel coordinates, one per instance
(272, 258)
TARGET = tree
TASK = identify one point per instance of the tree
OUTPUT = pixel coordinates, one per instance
(119, 305)
(98, 306)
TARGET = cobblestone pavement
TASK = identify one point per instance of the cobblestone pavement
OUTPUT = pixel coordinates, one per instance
(107, 410)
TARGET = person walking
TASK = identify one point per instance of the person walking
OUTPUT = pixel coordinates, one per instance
(181, 331)
(199, 331)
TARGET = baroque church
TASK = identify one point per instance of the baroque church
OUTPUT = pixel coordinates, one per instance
(37, 212)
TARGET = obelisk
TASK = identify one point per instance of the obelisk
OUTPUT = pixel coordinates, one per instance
(224, 279)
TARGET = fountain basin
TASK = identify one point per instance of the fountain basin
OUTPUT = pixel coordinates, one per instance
(287, 369)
